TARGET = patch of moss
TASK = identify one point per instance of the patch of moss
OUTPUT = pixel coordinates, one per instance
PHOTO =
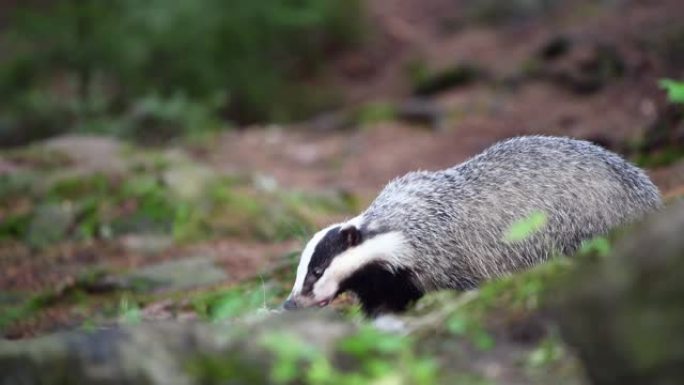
(231, 302)
(13, 226)
(37, 157)
(661, 158)
(226, 368)
(144, 201)
(375, 113)
(18, 185)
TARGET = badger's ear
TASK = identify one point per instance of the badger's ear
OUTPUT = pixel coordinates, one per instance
(351, 235)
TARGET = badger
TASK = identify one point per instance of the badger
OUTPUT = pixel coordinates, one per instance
(447, 229)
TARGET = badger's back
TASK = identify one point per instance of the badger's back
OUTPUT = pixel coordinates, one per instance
(455, 220)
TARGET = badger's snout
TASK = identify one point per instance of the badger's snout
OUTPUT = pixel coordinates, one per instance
(301, 302)
(290, 304)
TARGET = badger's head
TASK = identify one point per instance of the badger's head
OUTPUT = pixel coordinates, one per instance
(333, 256)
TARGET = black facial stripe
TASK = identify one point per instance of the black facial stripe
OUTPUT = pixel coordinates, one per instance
(331, 245)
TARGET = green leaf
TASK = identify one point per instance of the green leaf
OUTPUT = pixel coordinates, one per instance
(457, 324)
(483, 340)
(424, 371)
(288, 346)
(284, 370)
(600, 245)
(675, 90)
(129, 312)
(526, 227)
(289, 351)
(320, 371)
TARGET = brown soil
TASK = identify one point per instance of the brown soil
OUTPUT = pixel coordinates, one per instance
(362, 160)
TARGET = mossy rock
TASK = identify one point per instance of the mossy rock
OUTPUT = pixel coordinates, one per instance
(624, 313)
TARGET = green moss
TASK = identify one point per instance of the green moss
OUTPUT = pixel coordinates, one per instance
(19, 185)
(376, 112)
(14, 226)
(274, 215)
(477, 317)
(226, 368)
(661, 158)
(11, 314)
(143, 202)
(227, 303)
(37, 157)
(549, 351)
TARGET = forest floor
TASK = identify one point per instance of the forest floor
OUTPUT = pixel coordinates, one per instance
(589, 72)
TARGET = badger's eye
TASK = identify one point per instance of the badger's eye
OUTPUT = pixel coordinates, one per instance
(318, 272)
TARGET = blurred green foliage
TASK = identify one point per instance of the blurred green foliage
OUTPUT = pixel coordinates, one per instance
(370, 356)
(227, 303)
(156, 197)
(125, 65)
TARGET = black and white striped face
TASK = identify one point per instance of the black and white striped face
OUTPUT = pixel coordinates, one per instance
(316, 283)
(336, 258)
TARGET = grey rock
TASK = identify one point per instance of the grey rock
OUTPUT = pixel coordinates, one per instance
(50, 223)
(178, 275)
(188, 181)
(161, 353)
(250, 350)
(90, 153)
(146, 243)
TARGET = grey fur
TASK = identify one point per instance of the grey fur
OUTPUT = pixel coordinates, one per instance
(455, 220)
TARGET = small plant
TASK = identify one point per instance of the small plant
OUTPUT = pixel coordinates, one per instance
(675, 90)
(129, 311)
(599, 245)
(386, 357)
(228, 303)
(375, 112)
(290, 351)
(549, 351)
(470, 327)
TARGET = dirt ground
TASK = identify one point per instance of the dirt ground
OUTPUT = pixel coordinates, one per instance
(364, 159)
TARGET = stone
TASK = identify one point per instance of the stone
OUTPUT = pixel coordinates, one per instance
(188, 181)
(178, 275)
(146, 243)
(624, 313)
(173, 353)
(50, 223)
(90, 153)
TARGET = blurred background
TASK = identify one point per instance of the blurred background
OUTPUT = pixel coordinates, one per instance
(166, 159)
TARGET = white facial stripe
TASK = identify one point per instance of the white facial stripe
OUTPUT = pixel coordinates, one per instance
(306, 258)
(387, 247)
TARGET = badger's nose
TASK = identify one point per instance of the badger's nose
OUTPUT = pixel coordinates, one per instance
(289, 304)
